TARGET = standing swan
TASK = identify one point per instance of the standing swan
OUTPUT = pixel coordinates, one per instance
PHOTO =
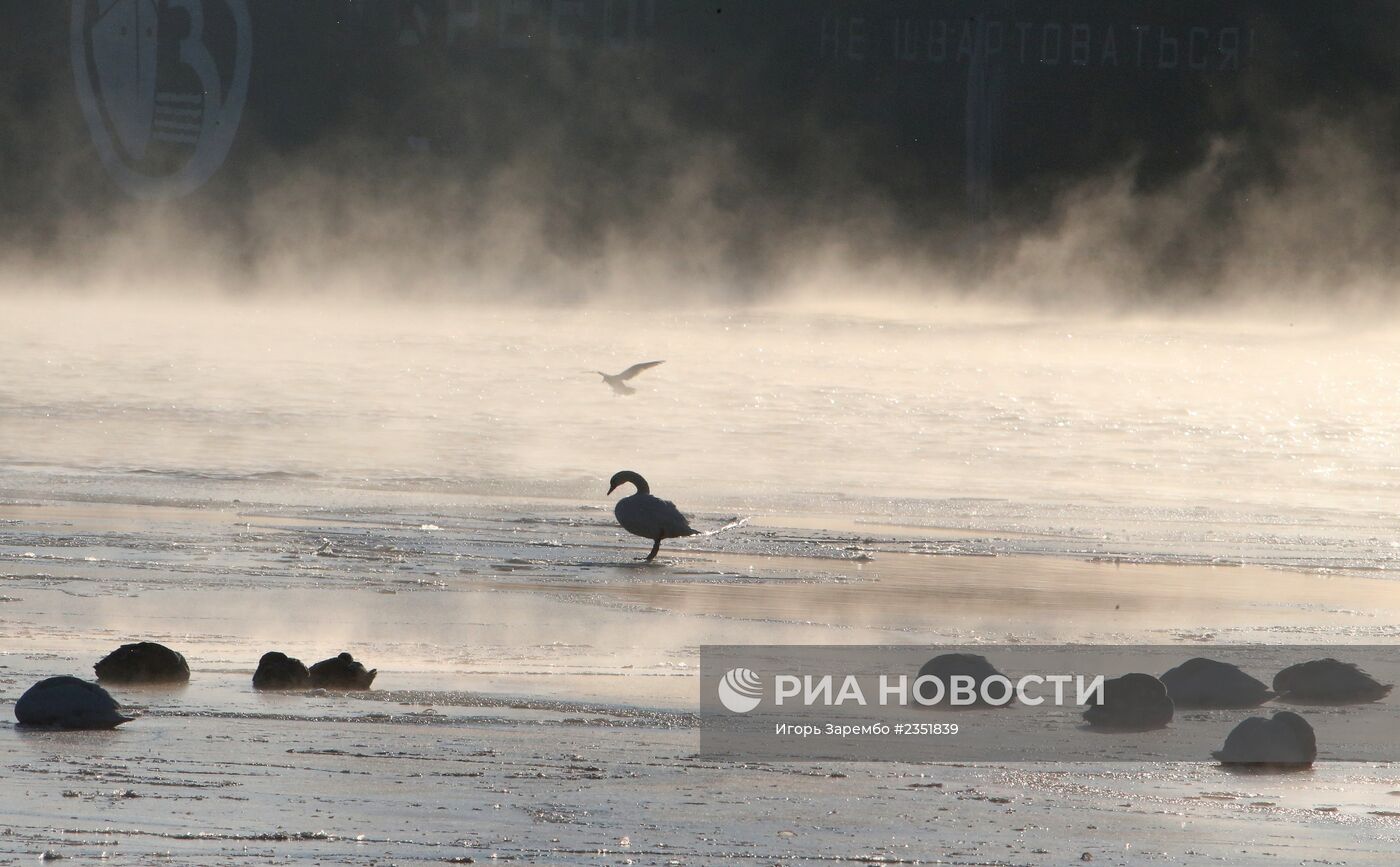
(649, 517)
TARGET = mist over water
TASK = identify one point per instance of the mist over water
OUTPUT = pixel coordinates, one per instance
(300, 330)
(1113, 156)
(1141, 301)
(950, 416)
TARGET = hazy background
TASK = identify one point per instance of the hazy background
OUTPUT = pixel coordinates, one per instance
(1185, 436)
(663, 153)
(915, 298)
(890, 275)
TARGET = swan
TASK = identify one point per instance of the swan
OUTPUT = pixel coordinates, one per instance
(618, 381)
(949, 665)
(68, 703)
(1328, 681)
(143, 662)
(1209, 683)
(1131, 703)
(649, 517)
(341, 672)
(1285, 740)
(277, 670)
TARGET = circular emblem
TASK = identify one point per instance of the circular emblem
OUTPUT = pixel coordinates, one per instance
(740, 690)
(162, 85)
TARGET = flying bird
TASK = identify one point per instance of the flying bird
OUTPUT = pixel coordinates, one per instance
(644, 515)
(618, 381)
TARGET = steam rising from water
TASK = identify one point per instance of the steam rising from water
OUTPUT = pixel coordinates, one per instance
(763, 408)
(1320, 231)
(876, 343)
(627, 178)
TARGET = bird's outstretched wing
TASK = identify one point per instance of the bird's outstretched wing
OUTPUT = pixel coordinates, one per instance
(638, 368)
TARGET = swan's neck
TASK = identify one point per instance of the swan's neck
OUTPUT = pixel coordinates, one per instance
(641, 483)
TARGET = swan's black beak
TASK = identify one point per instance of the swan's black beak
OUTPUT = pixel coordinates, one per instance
(613, 488)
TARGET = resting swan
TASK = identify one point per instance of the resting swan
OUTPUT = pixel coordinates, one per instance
(1285, 741)
(68, 703)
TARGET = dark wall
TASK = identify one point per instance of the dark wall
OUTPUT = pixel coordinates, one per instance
(937, 114)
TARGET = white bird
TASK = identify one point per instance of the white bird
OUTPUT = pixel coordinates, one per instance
(68, 703)
(618, 381)
(649, 517)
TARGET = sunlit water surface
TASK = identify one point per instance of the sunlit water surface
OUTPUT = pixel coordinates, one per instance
(1219, 439)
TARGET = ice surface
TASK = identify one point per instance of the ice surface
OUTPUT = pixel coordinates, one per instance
(426, 492)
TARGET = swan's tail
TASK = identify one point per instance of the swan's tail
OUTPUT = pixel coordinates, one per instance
(728, 525)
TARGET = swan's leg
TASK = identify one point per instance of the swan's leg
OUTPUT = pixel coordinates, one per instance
(656, 546)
